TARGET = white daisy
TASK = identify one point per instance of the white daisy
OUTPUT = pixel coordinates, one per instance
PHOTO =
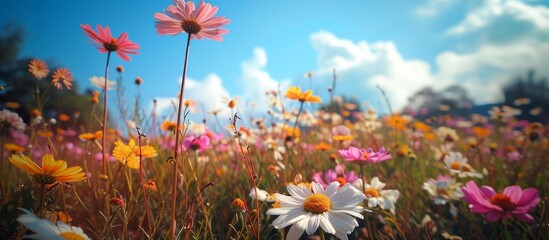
(100, 83)
(334, 209)
(457, 164)
(376, 196)
(443, 189)
(45, 229)
(262, 195)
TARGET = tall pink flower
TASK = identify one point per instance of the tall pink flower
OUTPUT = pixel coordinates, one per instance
(196, 143)
(361, 155)
(512, 202)
(104, 41)
(184, 17)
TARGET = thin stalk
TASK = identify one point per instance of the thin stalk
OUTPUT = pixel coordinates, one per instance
(177, 133)
(367, 222)
(297, 118)
(147, 216)
(104, 137)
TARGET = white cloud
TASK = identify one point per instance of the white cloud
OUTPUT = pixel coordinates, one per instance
(208, 93)
(505, 12)
(505, 51)
(432, 8)
(257, 81)
(361, 66)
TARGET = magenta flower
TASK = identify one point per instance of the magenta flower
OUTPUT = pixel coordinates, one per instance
(104, 41)
(197, 143)
(361, 155)
(199, 23)
(513, 201)
(332, 176)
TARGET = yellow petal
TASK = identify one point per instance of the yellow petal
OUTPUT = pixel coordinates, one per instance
(25, 163)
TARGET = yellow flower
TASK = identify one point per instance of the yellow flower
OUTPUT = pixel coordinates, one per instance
(129, 154)
(13, 148)
(91, 136)
(51, 171)
(169, 126)
(295, 93)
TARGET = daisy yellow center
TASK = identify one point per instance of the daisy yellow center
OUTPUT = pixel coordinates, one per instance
(44, 178)
(371, 192)
(71, 236)
(461, 167)
(111, 46)
(503, 201)
(317, 203)
(191, 26)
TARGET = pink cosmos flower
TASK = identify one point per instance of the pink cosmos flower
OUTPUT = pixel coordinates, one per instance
(361, 155)
(197, 143)
(104, 41)
(184, 17)
(513, 201)
(332, 175)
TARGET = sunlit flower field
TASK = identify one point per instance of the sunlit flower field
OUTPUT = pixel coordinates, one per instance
(309, 168)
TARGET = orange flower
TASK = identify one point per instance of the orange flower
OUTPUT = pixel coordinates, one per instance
(480, 132)
(95, 97)
(38, 68)
(295, 93)
(422, 127)
(14, 148)
(62, 77)
(61, 216)
(44, 134)
(36, 112)
(323, 147)
(12, 105)
(397, 122)
(90, 136)
(52, 170)
(63, 117)
(151, 185)
(169, 126)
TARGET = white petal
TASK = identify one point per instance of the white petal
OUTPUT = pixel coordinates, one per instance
(312, 224)
(325, 223)
(317, 187)
(295, 232)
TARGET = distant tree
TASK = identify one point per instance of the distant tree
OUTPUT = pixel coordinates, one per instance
(19, 86)
(426, 103)
(529, 95)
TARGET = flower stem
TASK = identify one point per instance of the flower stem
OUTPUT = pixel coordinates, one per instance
(104, 137)
(366, 221)
(177, 133)
(297, 119)
(147, 216)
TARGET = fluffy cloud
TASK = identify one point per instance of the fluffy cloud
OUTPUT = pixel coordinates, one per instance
(497, 16)
(212, 94)
(362, 66)
(432, 8)
(258, 81)
(208, 93)
(512, 38)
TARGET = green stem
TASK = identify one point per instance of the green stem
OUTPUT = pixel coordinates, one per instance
(104, 137)
(177, 133)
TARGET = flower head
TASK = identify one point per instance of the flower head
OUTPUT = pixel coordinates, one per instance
(38, 68)
(51, 171)
(192, 142)
(334, 175)
(104, 41)
(512, 202)
(198, 22)
(443, 189)
(295, 93)
(45, 229)
(457, 164)
(129, 154)
(376, 196)
(361, 155)
(62, 77)
(307, 208)
(9, 119)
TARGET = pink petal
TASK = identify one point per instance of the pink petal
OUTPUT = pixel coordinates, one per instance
(513, 192)
(530, 196)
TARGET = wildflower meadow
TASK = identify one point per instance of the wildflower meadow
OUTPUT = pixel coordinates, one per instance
(313, 165)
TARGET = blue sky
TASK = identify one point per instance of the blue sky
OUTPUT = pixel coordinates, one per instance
(398, 45)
